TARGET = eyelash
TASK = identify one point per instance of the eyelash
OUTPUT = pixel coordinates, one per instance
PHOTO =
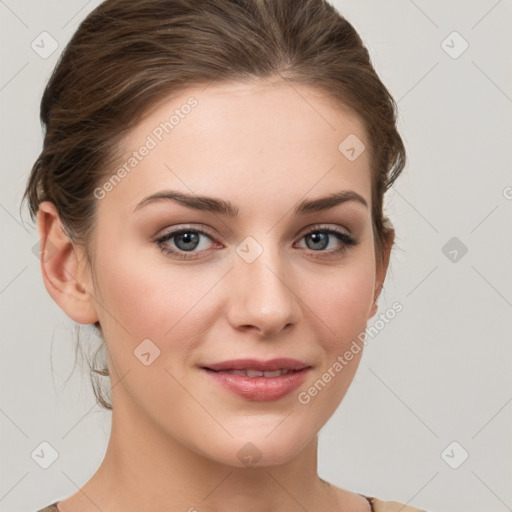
(346, 240)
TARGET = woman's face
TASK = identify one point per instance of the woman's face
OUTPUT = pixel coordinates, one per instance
(260, 278)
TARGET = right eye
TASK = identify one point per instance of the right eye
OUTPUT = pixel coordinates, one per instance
(182, 243)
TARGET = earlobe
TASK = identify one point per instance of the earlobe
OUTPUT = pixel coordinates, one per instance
(375, 305)
(64, 270)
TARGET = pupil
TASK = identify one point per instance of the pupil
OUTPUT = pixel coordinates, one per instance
(191, 240)
(318, 238)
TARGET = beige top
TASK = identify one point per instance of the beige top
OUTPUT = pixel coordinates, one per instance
(376, 504)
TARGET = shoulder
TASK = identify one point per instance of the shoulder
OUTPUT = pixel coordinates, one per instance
(50, 508)
(390, 506)
(377, 506)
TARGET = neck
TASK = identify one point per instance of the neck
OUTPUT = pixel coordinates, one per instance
(145, 469)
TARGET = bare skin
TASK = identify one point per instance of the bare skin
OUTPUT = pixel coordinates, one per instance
(176, 435)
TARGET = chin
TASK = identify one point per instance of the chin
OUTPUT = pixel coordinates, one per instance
(260, 449)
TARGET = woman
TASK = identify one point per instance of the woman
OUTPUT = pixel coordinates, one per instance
(210, 198)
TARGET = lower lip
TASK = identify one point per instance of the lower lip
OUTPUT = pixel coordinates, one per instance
(260, 389)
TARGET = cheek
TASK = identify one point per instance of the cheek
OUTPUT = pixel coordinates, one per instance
(158, 301)
(342, 307)
(145, 300)
(343, 302)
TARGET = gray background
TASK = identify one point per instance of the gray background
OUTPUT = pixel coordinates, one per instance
(438, 373)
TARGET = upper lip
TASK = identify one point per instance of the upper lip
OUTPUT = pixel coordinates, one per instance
(282, 363)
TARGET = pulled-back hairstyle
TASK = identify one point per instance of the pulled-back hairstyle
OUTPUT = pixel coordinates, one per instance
(127, 55)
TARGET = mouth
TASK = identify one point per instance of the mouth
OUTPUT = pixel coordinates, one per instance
(258, 380)
(254, 373)
(258, 367)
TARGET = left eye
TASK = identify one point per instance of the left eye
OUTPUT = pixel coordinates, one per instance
(319, 239)
(187, 240)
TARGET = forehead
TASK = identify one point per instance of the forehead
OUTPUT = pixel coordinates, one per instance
(245, 138)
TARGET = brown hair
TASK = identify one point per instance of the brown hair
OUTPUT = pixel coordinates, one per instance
(128, 55)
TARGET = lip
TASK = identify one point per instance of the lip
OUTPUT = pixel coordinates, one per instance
(258, 389)
(281, 363)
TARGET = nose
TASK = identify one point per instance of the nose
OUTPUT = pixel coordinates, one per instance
(264, 296)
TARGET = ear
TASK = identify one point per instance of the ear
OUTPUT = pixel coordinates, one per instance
(382, 267)
(63, 264)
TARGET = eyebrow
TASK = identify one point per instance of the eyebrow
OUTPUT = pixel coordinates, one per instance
(219, 206)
